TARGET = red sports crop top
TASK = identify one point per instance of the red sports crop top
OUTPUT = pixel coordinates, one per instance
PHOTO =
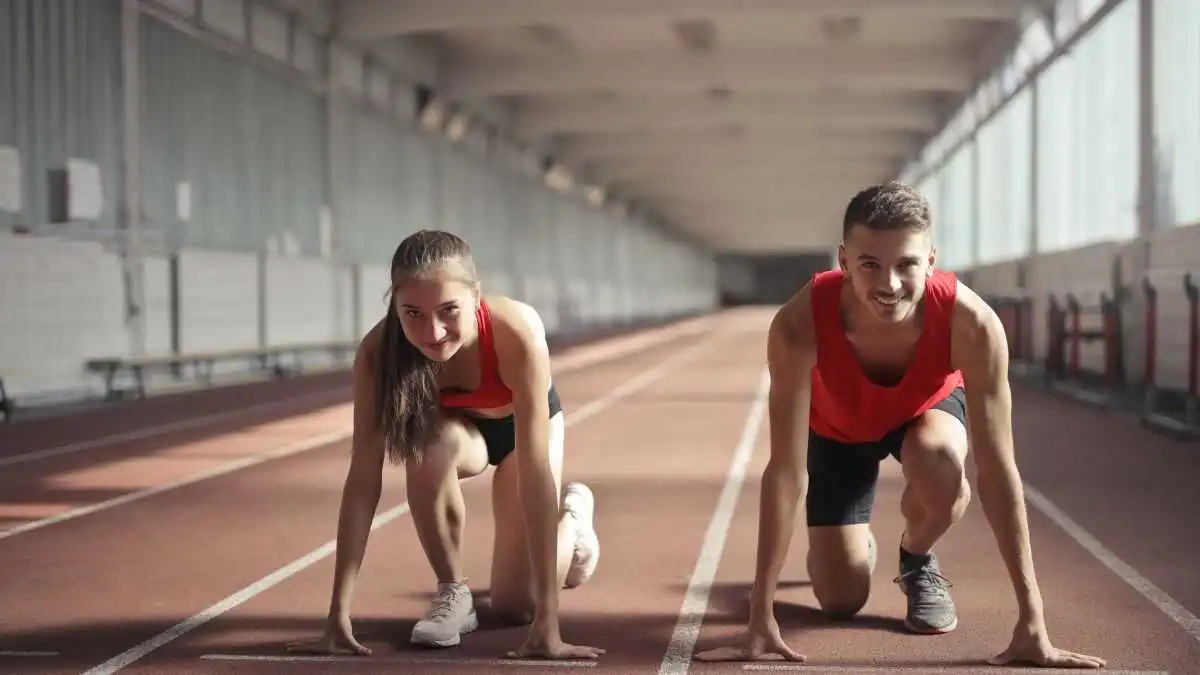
(492, 393)
(846, 405)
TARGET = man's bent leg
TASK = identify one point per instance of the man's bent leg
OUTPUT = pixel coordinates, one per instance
(936, 495)
(838, 504)
(840, 561)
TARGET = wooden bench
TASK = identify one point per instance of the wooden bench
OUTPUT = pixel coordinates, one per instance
(273, 358)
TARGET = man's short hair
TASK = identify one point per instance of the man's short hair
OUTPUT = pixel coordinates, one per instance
(888, 206)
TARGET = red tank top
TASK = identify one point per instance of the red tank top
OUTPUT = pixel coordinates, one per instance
(846, 405)
(492, 393)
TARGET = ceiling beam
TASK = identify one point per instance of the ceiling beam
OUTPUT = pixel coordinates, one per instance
(833, 198)
(734, 176)
(804, 197)
(756, 205)
(819, 215)
(636, 148)
(786, 233)
(711, 198)
(736, 180)
(769, 245)
(801, 69)
(677, 113)
(376, 19)
(781, 167)
(692, 164)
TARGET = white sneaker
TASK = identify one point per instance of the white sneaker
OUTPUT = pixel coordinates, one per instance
(450, 616)
(581, 505)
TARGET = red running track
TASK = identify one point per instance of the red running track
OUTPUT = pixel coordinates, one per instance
(193, 533)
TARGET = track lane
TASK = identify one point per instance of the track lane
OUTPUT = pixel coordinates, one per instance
(227, 408)
(40, 486)
(147, 565)
(1089, 608)
(656, 461)
(191, 412)
(39, 494)
(33, 494)
(1132, 489)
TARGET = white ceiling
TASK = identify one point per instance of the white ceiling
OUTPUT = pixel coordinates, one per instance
(745, 123)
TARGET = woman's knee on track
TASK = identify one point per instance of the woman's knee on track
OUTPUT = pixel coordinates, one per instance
(513, 607)
(934, 463)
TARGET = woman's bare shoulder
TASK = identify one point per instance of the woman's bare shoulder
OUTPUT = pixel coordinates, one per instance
(516, 324)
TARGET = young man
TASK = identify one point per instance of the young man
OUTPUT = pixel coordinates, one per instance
(887, 356)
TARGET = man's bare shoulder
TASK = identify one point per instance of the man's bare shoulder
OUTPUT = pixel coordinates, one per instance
(976, 332)
(792, 326)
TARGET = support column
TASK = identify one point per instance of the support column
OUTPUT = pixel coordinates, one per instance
(1138, 251)
(1147, 169)
(1034, 193)
(1034, 176)
(133, 250)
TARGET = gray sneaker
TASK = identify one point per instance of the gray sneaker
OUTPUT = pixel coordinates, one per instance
(930, 608)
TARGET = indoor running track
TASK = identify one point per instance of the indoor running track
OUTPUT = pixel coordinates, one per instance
(193, 534)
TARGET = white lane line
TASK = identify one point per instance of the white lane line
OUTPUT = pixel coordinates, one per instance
(411, 661)
(982, 668)
(139, 651)
(161, 429)
(1158, 597)
(221, 470)
(678, 656)
(575, 359)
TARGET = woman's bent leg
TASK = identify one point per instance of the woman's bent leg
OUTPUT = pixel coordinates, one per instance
(512, 587)
(439, 516)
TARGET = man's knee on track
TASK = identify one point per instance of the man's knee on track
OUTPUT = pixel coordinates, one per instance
(841, 582)
(843, 601)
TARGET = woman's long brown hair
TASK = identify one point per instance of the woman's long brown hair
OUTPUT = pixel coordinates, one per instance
(408, 393)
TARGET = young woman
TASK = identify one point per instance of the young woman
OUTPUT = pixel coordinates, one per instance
(448, 384)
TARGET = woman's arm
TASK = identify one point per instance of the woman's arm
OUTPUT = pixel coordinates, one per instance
(363, 484)
(525, 368)
(360, 497)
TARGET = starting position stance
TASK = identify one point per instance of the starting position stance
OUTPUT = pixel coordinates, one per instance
(887, 356)
(450, 383)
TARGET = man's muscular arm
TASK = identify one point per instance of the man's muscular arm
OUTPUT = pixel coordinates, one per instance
(790, 357)
(979, 348)
(791, 353)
